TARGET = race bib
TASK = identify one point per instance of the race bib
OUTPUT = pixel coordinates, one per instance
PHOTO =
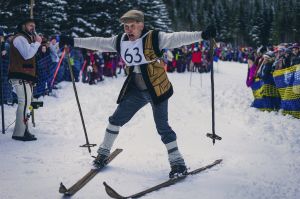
(132, 51)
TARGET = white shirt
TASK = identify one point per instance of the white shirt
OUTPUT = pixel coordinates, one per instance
(165, 40)
(26, 50)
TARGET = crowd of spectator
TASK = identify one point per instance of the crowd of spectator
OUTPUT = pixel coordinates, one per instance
(95, 65)
(92, 67)
(274, 77)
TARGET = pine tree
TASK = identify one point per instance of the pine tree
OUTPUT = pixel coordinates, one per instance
(297, 20)
(253, 22)
(257, 22)
(50, 22)
(82, 17)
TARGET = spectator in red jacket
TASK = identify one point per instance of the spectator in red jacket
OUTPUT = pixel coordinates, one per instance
(197, 59)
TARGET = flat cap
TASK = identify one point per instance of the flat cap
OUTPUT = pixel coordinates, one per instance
(133, 15)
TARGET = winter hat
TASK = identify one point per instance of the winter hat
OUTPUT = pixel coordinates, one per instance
(7, 36)
(296, 45)
(132, 15)
(269, 55)
(279, 49)
(288, 51)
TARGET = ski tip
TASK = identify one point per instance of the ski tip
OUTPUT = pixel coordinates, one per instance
(105, 184)
(119, 150)
(218, 161)
(111, 192)
(62, 188)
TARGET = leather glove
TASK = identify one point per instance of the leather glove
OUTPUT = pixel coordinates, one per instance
(66, 40)
(209, 32)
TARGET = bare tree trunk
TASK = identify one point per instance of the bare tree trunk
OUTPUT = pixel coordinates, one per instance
(31, 8)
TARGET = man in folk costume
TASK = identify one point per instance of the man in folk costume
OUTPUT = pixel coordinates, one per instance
(147, 82)
(22, 74)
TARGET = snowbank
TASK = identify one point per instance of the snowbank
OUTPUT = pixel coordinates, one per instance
(260, 150)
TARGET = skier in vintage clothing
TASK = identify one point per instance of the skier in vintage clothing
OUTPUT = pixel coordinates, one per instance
(22, 74)
(147, 82)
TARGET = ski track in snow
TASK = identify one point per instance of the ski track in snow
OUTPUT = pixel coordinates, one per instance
(260, 150)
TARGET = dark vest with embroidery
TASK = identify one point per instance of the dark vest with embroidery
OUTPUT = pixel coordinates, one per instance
(19, 68)
(154, 74)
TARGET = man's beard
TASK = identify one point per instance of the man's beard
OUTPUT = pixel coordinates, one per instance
(29, 32)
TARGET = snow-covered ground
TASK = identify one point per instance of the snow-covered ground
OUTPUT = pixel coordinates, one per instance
(260, 150)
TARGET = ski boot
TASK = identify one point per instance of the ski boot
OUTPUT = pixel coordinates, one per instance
(177, 170)
(26, 137)
(100, 161)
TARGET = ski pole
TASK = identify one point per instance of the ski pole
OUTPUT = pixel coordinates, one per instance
(191, 78)
(32, 115)
(212, 135)
(87, 144)
(201, 80)
(1, 85)
(82, 69)
(57, 67)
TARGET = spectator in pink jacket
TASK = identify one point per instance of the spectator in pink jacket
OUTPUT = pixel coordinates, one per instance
(251, 70)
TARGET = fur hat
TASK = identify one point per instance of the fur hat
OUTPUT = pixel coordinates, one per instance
(25, 21)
